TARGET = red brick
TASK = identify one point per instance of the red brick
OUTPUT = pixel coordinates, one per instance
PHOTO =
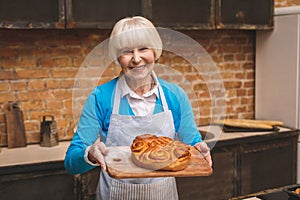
(19, 85)
(205, 103)
(53, 84)
(31, 125)
(37, 95)
(33, 136)
(64, 73)
(4, 86)
(7, 52)
(54, 104)
(9, 63)
(29, 74)
(249, 84)
(70, 51)
(232, 84)
(247, 100)
(36, 84)
(6, 97)
(27, 63)
(62, 94)
(65, 84)
(205, 111)
(38, 115)
(32, 105)
(46, 62)
(6, 74)
(68, 103)
(77, 61)
(62, 62)
(241, 92)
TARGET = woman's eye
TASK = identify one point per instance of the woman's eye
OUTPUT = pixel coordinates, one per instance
(127, 51)
(143, 48)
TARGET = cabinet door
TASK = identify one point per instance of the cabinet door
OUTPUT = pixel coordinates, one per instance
(32, 14)
(220, 185)
(268, 165)
(244, 14)
(99, 13)
(44, 181)
(178, 14)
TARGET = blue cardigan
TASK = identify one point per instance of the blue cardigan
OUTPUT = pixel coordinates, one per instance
(95, 118)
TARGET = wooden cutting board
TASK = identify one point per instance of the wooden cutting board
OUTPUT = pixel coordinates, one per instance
(15, 127)
(120, 165)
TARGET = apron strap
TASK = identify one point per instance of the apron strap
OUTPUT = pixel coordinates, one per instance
(116, 105)
(117, 99)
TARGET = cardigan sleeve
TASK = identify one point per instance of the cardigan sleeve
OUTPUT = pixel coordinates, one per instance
(87, 133)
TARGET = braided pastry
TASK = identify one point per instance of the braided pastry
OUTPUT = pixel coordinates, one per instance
(160, 153)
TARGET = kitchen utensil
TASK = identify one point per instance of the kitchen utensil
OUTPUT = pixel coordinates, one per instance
(15, 126)
(48, 132)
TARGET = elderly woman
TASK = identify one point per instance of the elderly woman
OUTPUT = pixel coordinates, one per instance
(134, 103)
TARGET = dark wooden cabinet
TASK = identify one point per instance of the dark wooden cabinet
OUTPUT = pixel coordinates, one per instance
(244, 14)
(174, 14)
(32, 14)
(268, 165)
(99, 13)
(36, 181)
(220, 185)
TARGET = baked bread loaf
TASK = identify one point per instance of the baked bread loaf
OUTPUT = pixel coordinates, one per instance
(160, 153)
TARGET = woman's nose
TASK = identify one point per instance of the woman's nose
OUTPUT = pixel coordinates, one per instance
(136, 56)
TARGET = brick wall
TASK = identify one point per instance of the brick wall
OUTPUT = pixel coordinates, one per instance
(38, 69)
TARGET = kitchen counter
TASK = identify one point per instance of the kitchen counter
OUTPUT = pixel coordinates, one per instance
(244, 163)
(221, 136)
(273, 193)
(32, 154)
(35, 172)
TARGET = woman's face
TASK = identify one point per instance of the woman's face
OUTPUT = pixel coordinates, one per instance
(137, 63)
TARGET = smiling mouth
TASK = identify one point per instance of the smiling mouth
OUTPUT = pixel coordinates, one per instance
(137, 68)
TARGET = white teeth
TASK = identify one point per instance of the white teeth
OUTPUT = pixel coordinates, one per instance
(137, 68)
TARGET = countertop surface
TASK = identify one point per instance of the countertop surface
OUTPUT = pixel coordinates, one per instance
(32, 154)
(219, 135)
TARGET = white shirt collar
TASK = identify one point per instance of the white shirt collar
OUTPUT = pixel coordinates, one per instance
(126, 90)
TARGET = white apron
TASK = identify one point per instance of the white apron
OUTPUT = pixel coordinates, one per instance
(121, 132)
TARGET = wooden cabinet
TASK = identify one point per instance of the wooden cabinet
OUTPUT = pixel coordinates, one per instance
(45, 181)
(244, 14)
(99, 13)
(187, 14)
(32, 14)
(241, 166)
(220, 185)
(175, 14)
(267, 165)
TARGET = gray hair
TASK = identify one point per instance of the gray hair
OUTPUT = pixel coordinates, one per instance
(132, 32)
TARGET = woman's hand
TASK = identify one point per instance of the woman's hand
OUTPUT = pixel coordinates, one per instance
(96, 154)
(205, 151)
